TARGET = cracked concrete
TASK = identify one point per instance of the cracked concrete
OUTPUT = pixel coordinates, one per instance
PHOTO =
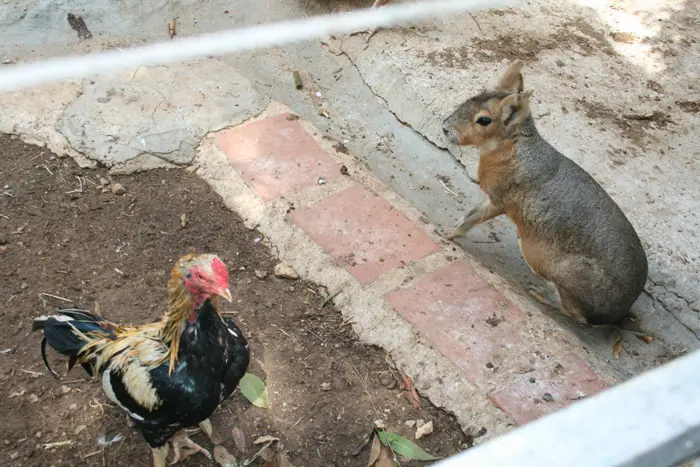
(385, 103)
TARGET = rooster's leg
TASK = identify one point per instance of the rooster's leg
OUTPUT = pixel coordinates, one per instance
(183, 447)
(211, 432)
(159, 456)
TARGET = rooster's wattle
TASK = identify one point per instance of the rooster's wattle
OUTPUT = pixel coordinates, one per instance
(168, 375)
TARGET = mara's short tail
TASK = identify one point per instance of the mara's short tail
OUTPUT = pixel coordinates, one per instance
(68, 332)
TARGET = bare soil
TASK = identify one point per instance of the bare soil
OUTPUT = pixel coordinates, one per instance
(62, 235)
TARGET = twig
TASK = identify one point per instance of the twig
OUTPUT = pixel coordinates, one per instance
(282, 330)
(47, 169)
(447, 189)
(2, 215)
(56, 297)
(36, 373)
(329, 299)
(92, 454)
(75, 381)
(477, 23)
(57, 444)
(304, 415)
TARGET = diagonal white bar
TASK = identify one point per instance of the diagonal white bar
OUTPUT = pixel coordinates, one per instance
(232, 41)
(652, 420)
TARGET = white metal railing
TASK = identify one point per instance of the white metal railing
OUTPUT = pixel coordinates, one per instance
(652, 420)
(233, 41)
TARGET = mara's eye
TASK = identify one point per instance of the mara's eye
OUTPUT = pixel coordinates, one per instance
(483, 121)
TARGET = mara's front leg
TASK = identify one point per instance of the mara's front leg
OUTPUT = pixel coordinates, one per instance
(482, 213)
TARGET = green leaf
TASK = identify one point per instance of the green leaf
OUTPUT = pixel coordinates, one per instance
(404, 447)
(253, 388)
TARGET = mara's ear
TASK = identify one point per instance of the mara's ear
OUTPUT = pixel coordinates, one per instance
(515, 108)
(512, 79)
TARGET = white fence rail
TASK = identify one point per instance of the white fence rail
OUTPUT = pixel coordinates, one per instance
(652, 420)
(233, 41)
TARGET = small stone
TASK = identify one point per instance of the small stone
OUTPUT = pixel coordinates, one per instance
(424, 430)
(73, 407)
(410, 423)
(37, 434)
(547, 397)
(33, 398)
(3, 240)
(379, 424)
(387, 381)
(420, 422)
(104, 181)
(321, 181)
(118, 189)
(24, 286)
(14, 455)
(344, 170)
(65, 389)
(326, 386)
(79, 428)
(260, 274)
(285, 271)
(298, 349)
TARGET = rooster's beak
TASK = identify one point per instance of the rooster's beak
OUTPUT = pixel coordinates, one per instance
(226, 294)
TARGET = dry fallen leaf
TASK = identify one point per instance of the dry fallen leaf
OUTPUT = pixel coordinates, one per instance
(617, 346)
(183, 220)
(647, 339)
(412, 394)
(282, 460)
(374, 452)
(222, 456)
(265, 439)
(380, 455)
(239, 439)
(172, 27)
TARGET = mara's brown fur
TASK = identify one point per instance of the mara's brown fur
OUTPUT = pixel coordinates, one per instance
(571, 232)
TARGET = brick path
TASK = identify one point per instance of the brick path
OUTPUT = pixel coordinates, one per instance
(465, 318)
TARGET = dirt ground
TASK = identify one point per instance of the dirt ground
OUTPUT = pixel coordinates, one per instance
(61, 235)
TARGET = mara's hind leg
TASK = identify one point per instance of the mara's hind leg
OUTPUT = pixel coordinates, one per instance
(573, 307)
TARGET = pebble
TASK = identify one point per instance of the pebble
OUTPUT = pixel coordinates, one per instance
(387, 381)
(118, 189)
(260, 274)
(24, 286)
(326, 386)
(424, 430)
(285, 271)
(547, 397)
(410, 423)
(14, 455)
(379, 424)
(73, 407)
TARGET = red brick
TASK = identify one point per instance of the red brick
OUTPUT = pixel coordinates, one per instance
(277, 157)
(465, 319)
(363, 232)
(566, 380)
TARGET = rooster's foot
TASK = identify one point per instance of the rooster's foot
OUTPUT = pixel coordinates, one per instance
(184, 447)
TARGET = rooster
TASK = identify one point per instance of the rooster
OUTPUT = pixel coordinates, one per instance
(168, 375)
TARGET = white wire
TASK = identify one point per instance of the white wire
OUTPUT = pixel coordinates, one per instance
(231, 41)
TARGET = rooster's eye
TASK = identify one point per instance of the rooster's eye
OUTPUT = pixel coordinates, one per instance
(188, 275)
